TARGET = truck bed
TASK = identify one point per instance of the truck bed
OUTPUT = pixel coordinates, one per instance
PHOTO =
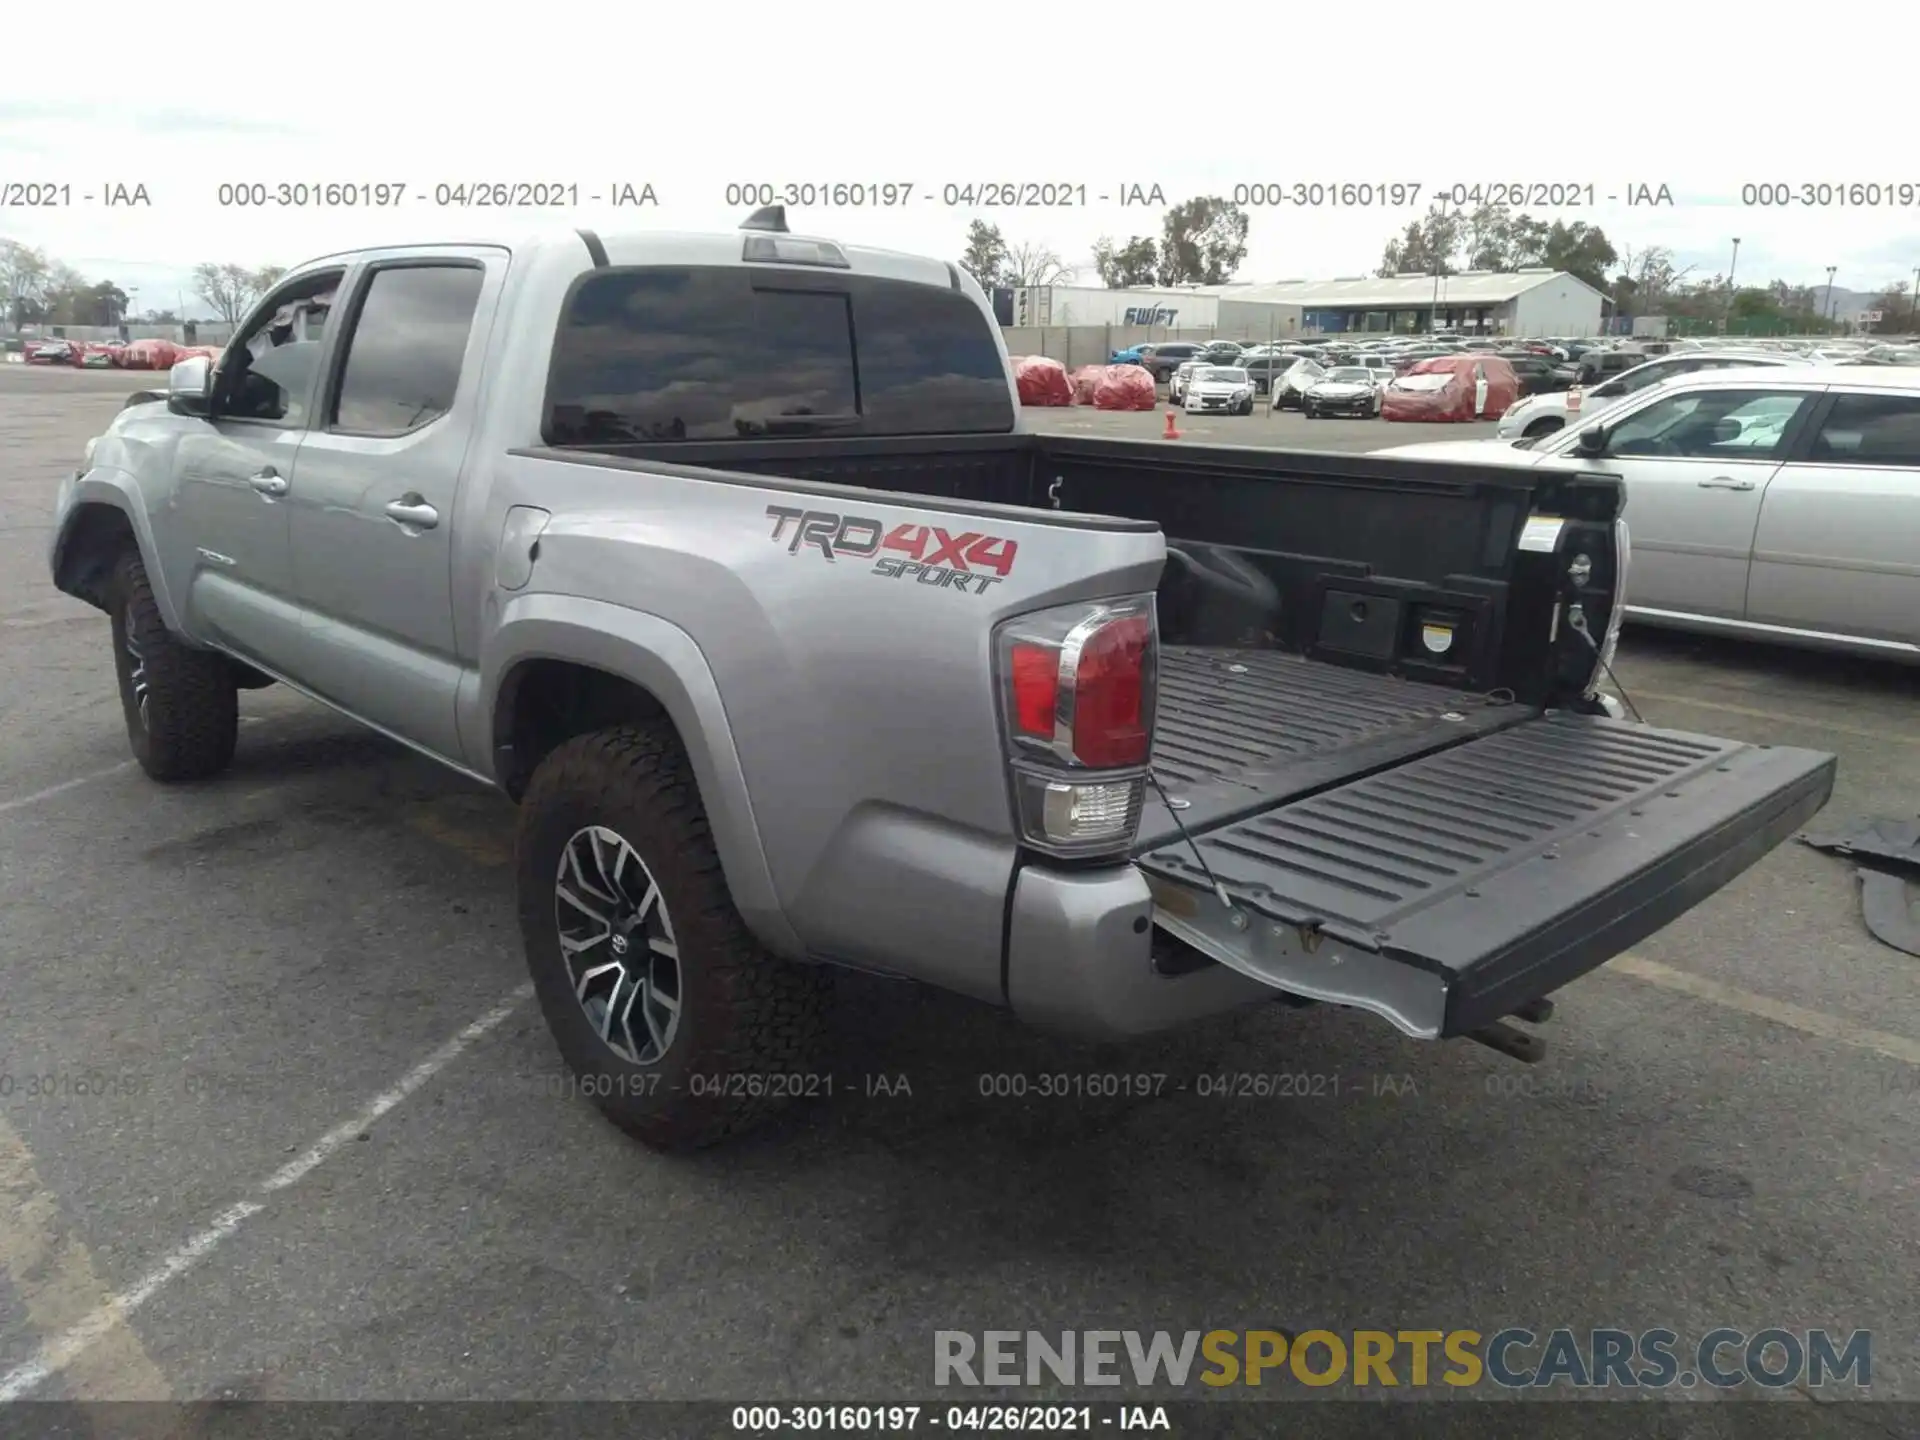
(1240, 730)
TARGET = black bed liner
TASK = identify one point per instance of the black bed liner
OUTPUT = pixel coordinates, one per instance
(1243, 730)
(1500, 868)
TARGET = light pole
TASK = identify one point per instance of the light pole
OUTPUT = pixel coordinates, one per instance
(1830, 305)
(1732, 265)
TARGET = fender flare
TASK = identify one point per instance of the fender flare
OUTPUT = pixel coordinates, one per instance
(666, 662)
(117, 490)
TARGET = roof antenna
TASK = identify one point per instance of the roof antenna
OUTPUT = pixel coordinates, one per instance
(772, 218)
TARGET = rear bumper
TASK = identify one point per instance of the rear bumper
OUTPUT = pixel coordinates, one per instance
(1445, 893)
(1080, 959)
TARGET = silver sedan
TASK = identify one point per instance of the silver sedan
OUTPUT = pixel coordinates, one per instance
(1781, 503)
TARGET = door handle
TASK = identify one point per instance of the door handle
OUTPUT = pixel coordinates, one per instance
(413, 511)
(1725, 484)
(268, 482)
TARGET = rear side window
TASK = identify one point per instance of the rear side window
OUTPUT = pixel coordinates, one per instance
(406, 347)
(725, 353)
(1871, 430)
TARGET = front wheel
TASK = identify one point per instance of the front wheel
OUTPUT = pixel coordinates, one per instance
(672, 1018)
(181, 705)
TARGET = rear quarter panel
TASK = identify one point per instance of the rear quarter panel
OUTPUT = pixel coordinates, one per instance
(857, 688)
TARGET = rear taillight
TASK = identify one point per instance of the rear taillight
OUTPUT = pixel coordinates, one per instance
(1078, 689)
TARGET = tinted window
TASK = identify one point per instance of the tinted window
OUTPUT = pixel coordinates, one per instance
(1871, 430)
(1707, 425)
(405, 349)
(722, 353)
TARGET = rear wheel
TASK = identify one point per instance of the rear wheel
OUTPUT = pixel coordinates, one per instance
(181, 705)
(675, 1022)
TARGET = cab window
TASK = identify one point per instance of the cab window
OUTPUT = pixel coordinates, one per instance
(1707, 425)
(1870, 430)
(267, 372)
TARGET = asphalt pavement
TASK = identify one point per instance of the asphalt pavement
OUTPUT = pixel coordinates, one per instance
(277, 1120)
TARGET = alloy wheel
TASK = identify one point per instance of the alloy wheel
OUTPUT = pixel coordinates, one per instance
(617, 940)
(136, 669)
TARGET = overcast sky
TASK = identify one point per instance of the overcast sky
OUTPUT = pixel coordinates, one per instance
(1103, 96)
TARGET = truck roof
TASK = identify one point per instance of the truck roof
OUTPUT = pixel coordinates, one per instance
(664, 247)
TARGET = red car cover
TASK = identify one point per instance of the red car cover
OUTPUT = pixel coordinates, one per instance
(1041, 381)
(1453, 387)
(1085, 381)
(1125, 387)
(152, 355)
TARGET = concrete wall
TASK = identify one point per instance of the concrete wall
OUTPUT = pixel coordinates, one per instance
(1076, 345)
(207, 332)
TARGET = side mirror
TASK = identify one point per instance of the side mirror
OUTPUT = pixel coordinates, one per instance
(1592, 443)
(190, 386)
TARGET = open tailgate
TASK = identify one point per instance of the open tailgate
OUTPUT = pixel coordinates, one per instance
(1445, 892)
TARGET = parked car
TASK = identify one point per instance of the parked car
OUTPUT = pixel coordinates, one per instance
(1545, 412)
(1288, 378)
(1221, 352)
(52, 352)
(1352, 390)
(765, 713)
(1778, 502)
(1598, 365)
(1537, 374)
(1163, 359)
(1218, 388)
(1177, 382)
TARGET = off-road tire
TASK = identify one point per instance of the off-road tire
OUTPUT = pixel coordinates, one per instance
(751, 1026)
(193, 706)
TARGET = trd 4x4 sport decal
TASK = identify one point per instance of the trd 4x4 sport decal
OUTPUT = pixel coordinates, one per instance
(968, 562)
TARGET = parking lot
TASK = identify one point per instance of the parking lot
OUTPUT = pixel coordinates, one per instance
(277, 1119)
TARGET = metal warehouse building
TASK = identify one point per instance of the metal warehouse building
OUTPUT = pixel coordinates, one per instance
(1183, 308)
(1539, 301)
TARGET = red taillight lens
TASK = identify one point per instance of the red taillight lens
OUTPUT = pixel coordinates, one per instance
(1109, 689)
(1035, 673)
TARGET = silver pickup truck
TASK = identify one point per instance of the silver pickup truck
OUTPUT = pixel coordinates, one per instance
(726, 557)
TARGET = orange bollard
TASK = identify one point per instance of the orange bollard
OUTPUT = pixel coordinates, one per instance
(1170, 433)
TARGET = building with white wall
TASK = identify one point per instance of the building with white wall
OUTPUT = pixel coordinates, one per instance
(1481, 302)
(1174, 308)
(1537, 301)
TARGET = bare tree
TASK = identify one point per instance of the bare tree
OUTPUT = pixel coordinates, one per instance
(1036, 264)
(24, 274)
(230, 289)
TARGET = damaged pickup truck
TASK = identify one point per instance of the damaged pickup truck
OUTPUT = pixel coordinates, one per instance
(726, 558)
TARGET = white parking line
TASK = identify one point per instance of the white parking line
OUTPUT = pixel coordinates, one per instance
(7, 806)
(63, 1349)
(1764, 1007)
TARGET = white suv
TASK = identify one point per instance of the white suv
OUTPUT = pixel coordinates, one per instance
(1545, 413)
